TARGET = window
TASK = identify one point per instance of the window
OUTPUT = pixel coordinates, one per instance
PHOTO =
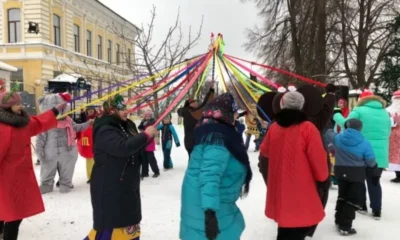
(129, 57)
(118, 54)
(14, 25)
(109, 51)
(57, 30)
(100, 47)
(77, 38)
(17, 78)
(89, 43)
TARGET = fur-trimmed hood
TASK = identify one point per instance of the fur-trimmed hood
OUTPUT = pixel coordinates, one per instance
(290, 117)
(15, 120)
(365, 100)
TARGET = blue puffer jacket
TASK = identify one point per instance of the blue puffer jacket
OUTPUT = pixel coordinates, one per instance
(213, 181)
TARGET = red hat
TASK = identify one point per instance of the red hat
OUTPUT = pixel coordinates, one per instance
(396, 94)
(66, 96)
(366, 93)
(7, 100)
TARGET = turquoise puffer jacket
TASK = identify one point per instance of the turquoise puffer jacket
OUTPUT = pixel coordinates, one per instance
(376, 125)
(213, 181)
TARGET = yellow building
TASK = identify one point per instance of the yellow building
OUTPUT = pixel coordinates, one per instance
(76, 36)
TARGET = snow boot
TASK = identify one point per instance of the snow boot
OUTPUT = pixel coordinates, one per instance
(363, 210)
(345, 232)
(145, 176)
(156, 175)
(395, 180)
(46, 189)
(376, 214)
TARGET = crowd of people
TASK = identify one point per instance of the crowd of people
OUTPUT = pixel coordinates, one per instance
(305, 134)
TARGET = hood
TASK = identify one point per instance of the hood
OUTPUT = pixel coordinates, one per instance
(350, 137)
(290, 117)
(372, 102)
(15, 120)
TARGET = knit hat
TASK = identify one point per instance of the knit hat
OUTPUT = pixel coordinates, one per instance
(396, 94)
(292, 100)
(8, 99)
(366, 93)
(354, 124)
(114, 103)
(222, 108)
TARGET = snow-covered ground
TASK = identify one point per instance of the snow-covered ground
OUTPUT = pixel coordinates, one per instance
(69, 217)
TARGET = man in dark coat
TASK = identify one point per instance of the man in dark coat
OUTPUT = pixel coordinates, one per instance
(191, 113)
(115, 181)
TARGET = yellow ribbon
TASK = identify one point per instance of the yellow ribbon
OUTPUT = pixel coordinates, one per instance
(121, 90)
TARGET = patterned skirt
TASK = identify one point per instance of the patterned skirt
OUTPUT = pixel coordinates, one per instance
(128, 233)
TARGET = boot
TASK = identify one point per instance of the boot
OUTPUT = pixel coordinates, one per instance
(345, 232)
(395, 180)
(156, 175)
(376, 214)
(363, 210)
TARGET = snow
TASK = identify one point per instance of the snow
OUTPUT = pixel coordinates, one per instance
(6, 67)
(69, 217)
(65, 77)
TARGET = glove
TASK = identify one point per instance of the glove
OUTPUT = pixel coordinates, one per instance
(375, 180)
(211, 224)
(178, 144)
(330, 88)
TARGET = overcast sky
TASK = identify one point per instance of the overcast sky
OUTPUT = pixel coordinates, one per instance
(229, 17)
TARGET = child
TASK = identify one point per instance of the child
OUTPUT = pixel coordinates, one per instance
(355, 161)
(167, 133)
(150, 158)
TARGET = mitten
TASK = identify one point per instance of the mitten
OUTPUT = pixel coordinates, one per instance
(330, 88)
(211, 224)
(178, 144)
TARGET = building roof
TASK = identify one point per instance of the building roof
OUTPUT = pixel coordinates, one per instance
(133, 25)
(6, 67)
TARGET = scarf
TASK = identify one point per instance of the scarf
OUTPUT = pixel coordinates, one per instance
(217, 132)
(67, 125)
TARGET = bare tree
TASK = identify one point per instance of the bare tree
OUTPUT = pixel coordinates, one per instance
(365, 37)
(150, 57)
(328, 40)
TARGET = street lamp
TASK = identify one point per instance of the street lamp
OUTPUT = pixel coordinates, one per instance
(33, 27)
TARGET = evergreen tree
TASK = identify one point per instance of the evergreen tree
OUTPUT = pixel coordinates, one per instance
(389, 78)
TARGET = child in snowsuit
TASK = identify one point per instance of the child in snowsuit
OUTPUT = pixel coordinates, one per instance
(355, 160)
(150, 158)
(167, 134)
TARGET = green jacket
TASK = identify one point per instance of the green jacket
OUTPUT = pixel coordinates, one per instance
(376, 125)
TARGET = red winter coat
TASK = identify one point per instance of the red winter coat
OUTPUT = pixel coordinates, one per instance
(85, 143)
(297, 159)
(19, 191)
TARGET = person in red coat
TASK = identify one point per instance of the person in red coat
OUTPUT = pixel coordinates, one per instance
(295, 157)
(85, 142)
(19, 191)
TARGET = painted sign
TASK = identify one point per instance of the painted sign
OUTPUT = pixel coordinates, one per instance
(2, 85)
